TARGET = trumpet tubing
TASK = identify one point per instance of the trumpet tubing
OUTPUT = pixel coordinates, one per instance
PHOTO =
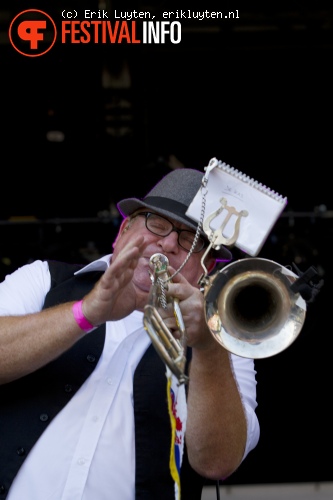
(171, 350)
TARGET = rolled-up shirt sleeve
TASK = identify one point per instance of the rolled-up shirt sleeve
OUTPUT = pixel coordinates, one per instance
(24, 291)
(245, 375)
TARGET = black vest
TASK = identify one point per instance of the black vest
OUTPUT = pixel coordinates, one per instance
(29, 404)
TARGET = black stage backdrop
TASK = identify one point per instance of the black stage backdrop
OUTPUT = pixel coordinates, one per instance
(89, 123)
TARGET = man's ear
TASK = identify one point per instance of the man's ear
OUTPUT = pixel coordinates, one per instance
(124, 226)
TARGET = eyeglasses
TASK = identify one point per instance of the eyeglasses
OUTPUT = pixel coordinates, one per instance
(161, 226)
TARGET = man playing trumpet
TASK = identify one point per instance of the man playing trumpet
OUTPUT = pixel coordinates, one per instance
(83, 407)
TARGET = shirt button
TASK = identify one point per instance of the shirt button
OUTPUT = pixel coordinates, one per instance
(109, 381)
(81, 461)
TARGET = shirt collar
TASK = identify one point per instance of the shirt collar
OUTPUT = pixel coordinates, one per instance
(97, 265)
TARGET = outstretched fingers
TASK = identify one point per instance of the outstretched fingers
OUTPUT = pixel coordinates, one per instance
(114, 296)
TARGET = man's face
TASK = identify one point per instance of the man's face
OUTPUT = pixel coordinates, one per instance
(169, 245)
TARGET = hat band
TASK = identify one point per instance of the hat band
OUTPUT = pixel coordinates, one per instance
(166, 204)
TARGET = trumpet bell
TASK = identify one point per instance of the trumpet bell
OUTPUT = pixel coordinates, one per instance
(251, 310)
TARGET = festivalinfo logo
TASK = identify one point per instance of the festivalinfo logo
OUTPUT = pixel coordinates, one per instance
(33, 32)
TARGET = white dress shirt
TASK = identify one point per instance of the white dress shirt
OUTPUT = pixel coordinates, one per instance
(87, 451)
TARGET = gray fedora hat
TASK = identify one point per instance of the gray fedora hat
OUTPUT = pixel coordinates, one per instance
(171, 197)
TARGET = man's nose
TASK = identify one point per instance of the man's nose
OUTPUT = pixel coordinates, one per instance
(170, 242)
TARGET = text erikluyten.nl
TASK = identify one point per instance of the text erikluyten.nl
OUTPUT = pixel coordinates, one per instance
(206, 14)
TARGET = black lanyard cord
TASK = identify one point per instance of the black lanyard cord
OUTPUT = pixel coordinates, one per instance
(217, 490)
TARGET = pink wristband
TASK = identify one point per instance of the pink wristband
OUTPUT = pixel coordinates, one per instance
(80, 319)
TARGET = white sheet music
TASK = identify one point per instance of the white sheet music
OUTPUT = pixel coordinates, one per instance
(262, 204)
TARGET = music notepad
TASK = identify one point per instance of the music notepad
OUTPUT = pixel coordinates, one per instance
(263, 206)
